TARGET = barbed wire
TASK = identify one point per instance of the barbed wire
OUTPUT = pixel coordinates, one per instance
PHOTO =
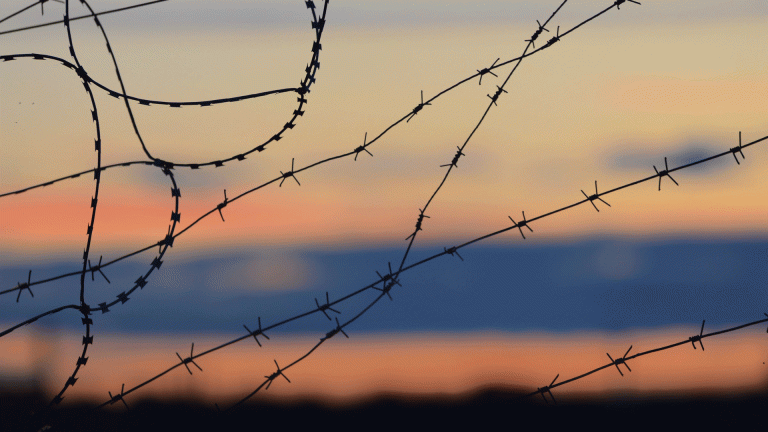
(363, 148)
(318, 25)
(355, 153)
(623, 359)
(71, 19)
(389, 280)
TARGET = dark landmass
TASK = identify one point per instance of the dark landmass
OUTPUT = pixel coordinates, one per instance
(483, 409)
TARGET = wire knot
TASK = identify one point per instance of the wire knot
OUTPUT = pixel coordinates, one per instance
(553, 40)
(698, 337)
(418, 107)
(735, 150)
(118, 397)
(97, 269)
(85, 310)
(335, 331)
(274, 375)
(548, 389)
(289, 174)
(190, 359)
(24, 286)
(596, 196)
(622, 360)
(536, 34)
(487, 71)
(455, 159)
(362, 148)
(520, 225)
(617, 3)
(388, 281)
(324, 307)
(419, 221)
(496, 95)
(167, 241)
(451, 251)
(222, 205)
(663, 173)
(256, 333)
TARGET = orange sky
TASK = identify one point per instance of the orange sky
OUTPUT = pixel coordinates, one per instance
(634, 86)
(606, 103)
(347, 369)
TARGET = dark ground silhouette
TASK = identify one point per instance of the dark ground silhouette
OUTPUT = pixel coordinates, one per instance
(483, 409)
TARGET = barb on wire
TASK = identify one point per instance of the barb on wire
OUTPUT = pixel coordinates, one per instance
(618, 3)
(82, 360)
(663, 173)
(167, 166)
(553, 40)
(336, 330)
(622, 360)
(190, 359)
(289, 174)
(548, 389)
(451, 251)
(536, 34)
(594, 197)
(390, 279)
(520, 225)
(42, 9)
(496, 95)
(222, 205)
(271, 378)
(419, 221)
(25, 286)
(389, 276)
(650, 351)
(118, 397)
(418, 108)
(327, 306)
(73, 19)
(387, 287)
(695, 339)
(256, 332)
(362, 148)
(93, 270)
(484, 71)
(455, 159)
(301, 91)
(737, 149)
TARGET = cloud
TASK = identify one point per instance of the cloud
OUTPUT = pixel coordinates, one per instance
(636, 157)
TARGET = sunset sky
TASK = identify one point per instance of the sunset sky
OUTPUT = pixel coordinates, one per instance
(608, 102)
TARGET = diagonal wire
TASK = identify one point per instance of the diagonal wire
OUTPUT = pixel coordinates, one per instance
(385, 131)
(401, 268)
(302, 90)
(80, 17)
(305, 168)
(21, 10)
(644, 353)
(446, 252)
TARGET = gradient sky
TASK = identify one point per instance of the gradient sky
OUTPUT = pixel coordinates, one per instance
(676, 79)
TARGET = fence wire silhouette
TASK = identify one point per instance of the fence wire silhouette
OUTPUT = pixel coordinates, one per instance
(381, 287)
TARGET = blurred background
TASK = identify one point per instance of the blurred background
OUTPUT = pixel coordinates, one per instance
(666, 79)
